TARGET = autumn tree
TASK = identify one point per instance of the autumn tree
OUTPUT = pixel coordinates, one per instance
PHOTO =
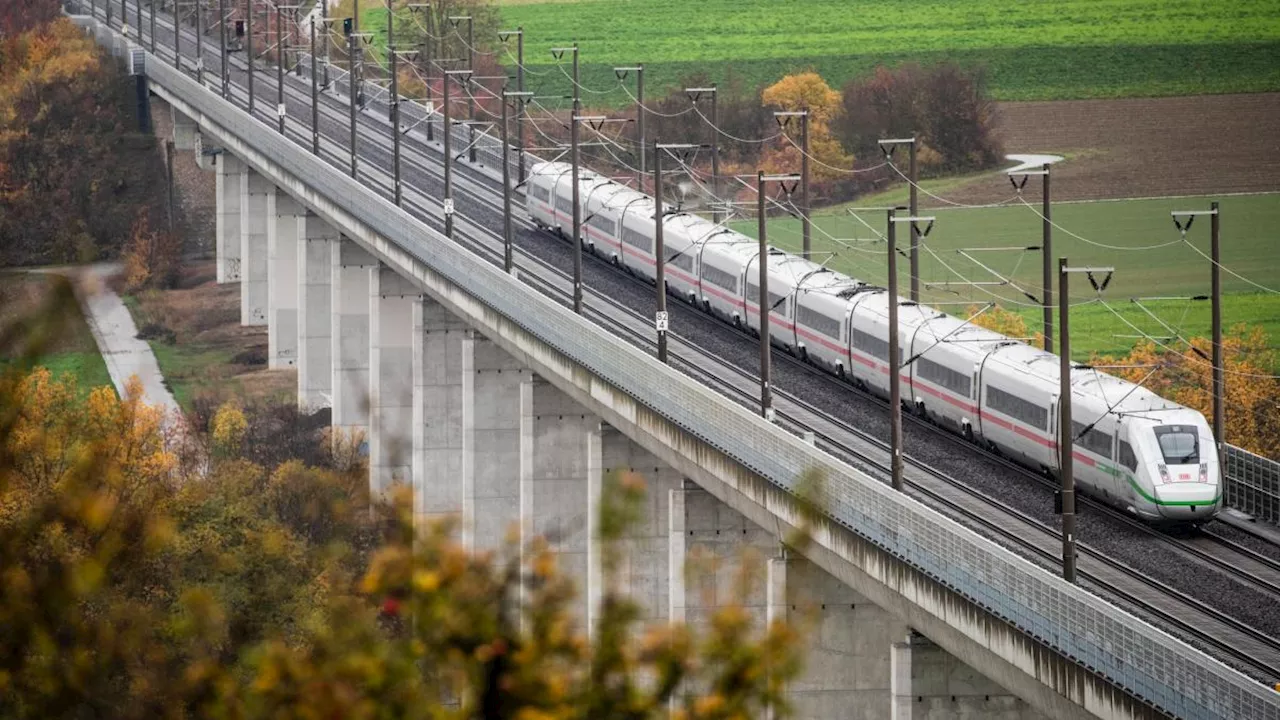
(152, 256)
(137, 584)
(73, 169)
(945, 105)
(806, 91)
(1185, 375)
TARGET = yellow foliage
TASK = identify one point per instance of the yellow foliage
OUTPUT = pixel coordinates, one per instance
(228, 429)
(1005, 322)
(809, 91)
(1252, 398)
(806, 90)
(53, 434)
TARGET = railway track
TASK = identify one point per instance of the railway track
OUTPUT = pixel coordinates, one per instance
(1248, 648)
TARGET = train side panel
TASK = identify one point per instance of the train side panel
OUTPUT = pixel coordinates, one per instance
(1018, 408)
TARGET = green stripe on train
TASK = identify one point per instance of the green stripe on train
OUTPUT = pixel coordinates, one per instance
(1171, 503)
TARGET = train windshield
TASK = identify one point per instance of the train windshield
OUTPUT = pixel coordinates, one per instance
(1180, 444)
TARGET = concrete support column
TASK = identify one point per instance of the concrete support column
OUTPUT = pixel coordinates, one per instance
(287, 224)
(490, 443)
(229, 168)
(643, 554)
(254, 192)
(595, 484)
(349, 334)
(847, 665)
(315, 316)
(202, 144)
(440, 354)
(393, 300)
(775, 591)
(900, 697)
(560, 451)
(527, 525)
(184, 130)
(677, 554)
(933, 683)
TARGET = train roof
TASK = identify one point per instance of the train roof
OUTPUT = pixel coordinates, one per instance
(951, 329)
(1117, 394)
(614, 195)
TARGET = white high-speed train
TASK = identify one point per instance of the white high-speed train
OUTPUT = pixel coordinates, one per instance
(1135, 450)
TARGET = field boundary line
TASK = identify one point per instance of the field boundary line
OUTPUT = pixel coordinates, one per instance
(1135, 199)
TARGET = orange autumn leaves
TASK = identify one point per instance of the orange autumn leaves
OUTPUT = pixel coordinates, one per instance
(809, 91)
(155, 578)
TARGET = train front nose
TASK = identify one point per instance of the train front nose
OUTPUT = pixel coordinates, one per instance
(1188, 501)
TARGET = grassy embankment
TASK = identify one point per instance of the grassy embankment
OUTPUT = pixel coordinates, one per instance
(75, 351)
(1074, 49)
(1175, 270)
(194, 331)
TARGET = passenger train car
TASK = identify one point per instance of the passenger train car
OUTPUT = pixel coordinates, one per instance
(1133, 449)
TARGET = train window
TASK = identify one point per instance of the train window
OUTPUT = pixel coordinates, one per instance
(602, 223)
(870, 344)
(716, 276)
(938, 374)
(1127, 458)
(1094, 440)
(777, 302)
(540, 192)
(811, 318)
(684, 261)
(635, 238)
(1018, 408)
(1180, 444)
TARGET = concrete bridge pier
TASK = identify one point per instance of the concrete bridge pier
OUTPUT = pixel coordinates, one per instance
(440, 355)
(561, 468)
(315, 316)
(351, 267)
(286, 224)
(494, 381)
(228, 170)
(184, 130)
(392, 300)
(254, 219)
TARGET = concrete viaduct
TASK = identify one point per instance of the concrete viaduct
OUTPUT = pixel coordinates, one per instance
(504, 408)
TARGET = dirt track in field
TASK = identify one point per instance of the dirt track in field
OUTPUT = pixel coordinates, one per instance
(1145, 147)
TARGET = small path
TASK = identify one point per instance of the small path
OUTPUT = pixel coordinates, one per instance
(117, 336)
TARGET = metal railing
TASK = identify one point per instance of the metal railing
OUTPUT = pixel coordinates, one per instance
(1127, 651)
(1251, 484)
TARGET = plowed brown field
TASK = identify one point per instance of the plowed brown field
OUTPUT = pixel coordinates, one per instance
(1127, 148)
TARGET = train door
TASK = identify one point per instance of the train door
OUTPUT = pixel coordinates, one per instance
(1054, 418)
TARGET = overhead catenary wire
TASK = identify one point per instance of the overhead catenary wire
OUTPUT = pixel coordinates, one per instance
(1094, 243)
(941, 199)
(790, 208)
(1233, 273)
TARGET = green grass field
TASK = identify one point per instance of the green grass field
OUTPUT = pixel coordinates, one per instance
(75, 351)
(1250, 235)
(1033, 49)
(186, 368)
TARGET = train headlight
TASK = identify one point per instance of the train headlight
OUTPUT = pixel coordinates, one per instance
(1204, 472)
(1164, 472)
